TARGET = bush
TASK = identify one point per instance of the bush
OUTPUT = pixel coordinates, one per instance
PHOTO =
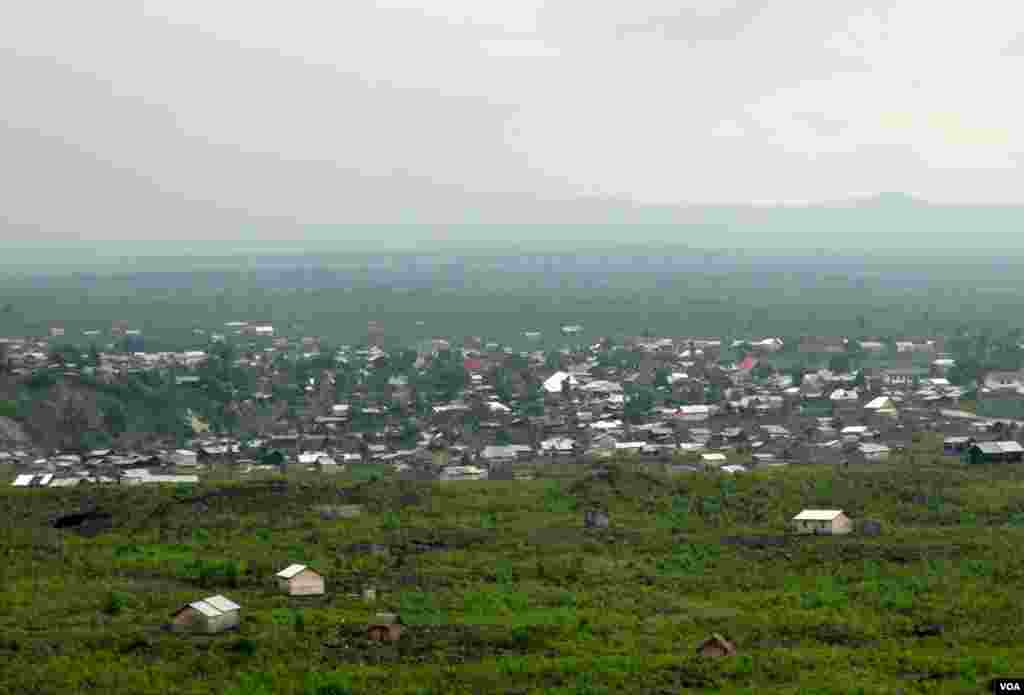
(115, 603)
(8, 409)
(391, 521)
(829, 593)
(244, 646)
(252, 684)
(329, 683)
(420, 608)
(688, 559)
(283, 617)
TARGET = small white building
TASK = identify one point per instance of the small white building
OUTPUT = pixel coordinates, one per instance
(854, 433)
(714, 460)
(694, 413)
(882, 405)
(300, 580)
(463, 473)
(556, 446)
(211, 615)
(184, 458)
(327, 464)
(829, 522)
(141, 475)
(553, 384)
(874, 452)
(1003, 380)
(844, 395)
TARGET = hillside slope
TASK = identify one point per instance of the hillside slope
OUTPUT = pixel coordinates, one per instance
(12, 433)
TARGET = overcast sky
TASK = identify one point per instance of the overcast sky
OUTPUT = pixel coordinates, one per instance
(331, 111)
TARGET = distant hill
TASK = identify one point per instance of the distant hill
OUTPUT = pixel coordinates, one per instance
(455, 220)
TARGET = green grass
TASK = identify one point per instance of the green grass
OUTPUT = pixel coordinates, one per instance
(504, 591)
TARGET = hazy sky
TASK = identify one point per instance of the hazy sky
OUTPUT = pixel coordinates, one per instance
(316, 110)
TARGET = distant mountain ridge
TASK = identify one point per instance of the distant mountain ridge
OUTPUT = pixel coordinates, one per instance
(457, 219)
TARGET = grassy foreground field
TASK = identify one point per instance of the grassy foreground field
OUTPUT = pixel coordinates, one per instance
(504, 591)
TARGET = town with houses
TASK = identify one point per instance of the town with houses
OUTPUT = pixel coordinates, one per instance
(691, 404)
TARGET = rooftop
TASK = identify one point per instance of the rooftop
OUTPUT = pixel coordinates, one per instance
(818, 515)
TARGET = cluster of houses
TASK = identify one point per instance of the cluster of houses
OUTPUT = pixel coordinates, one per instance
(691, 402)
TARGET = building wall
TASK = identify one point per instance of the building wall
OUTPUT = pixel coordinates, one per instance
(222, 622)
(842, 525)
(305, 583)
(185, 620)
(839, 525)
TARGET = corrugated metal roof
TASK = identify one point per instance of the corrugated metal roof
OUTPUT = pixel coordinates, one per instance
(222, 604)
(290, 571)
(205, 608)
(818, 515)
(1000, 447)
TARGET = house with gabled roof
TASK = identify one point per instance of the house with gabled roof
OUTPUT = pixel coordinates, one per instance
(822, 522)
(210, 615)
(994, 452)
(883, 405)
(300, 580)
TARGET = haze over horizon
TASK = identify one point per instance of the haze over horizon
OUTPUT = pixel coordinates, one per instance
(251, 122)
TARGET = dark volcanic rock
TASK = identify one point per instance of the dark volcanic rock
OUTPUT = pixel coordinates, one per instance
(756, 541)
(87, 523)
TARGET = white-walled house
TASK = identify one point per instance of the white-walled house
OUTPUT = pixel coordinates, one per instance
(210, 615)
(300, 580)
(822, 522)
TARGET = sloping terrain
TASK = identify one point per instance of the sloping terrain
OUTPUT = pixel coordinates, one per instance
(12, 433)
(502, 589)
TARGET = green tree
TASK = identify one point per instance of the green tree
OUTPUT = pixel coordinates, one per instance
(839, 363)
(409, 434)
(115, 420)
(661, 378)
(714, 393)
(553, 360)
(638, 403)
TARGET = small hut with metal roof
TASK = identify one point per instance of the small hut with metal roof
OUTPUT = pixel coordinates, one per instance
(210, 615)
(994, 452)
(300, 580)
(829, 522)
